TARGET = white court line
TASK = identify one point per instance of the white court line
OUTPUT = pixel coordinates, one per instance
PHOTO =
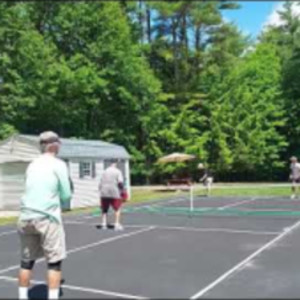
(237, 203)
(243, 262)
(74, 250)
(7, 232)
(88, 217)
(247, 201)
(82, 289)
(151, 204)
(79, 222)
(108, 240)
(191, 229)
(268, 210)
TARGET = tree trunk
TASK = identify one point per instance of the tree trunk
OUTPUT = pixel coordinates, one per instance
(148, 11)
(141, 21)
(197, 37)
(40, 22)
(198, 50)
(184, 31)
(174, 42)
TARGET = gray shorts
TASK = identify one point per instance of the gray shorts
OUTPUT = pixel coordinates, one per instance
(42, 238)
(208, 181)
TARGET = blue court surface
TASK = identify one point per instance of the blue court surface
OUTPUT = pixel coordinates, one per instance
(169, 256)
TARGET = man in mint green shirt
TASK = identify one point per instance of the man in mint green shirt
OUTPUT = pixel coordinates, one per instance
(40, 225)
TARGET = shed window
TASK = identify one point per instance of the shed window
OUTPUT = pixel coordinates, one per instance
(87, 169)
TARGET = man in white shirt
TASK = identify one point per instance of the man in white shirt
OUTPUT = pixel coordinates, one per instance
(207, 178)
(110, 187)
(295, 176)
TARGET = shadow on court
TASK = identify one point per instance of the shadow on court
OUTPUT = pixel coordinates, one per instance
(40, 291)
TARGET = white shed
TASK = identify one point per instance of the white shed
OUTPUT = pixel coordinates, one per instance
(86, 159)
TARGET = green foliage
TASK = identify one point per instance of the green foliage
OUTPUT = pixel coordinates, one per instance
(156, 77)
(247, 118)
(286, 39)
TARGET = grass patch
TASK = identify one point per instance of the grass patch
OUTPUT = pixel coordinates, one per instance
(143, 195)
(250, 191)
(8, 220)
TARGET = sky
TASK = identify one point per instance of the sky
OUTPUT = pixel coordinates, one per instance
(254, 15)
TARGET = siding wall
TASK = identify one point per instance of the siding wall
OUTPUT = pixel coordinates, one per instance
(19, 149)
(12, 174)
(85, 189)
(11, 185)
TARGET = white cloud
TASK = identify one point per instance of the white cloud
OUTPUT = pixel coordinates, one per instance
(226, 20)
(274, 18)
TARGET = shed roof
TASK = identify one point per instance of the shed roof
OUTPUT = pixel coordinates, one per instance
(73, 148)
(14, 158)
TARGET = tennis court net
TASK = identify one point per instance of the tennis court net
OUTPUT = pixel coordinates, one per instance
(263, 200)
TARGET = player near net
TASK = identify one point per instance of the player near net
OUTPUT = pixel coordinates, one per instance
(40, 224)
(294, 176)
(207, 178)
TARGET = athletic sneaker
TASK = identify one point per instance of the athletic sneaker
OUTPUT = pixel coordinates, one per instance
(118, 227)
(104, 226)
(293, 196)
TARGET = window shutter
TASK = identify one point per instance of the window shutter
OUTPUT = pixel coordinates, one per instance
(80, 170)
(93, 169)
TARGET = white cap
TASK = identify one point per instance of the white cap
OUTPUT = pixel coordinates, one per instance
(49, 137)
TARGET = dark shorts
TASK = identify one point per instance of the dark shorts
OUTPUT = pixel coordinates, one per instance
(296, 180)
(114, 203)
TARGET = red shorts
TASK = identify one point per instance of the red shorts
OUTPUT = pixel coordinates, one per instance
(107, 202)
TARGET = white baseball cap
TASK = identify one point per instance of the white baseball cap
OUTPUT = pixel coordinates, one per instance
(49, 137)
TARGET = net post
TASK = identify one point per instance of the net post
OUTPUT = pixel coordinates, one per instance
(191, 198)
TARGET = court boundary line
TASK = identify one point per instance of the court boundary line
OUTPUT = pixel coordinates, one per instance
(80, 288)
(190, 229)
(80, 248)
(7, 232)
(251, 200)
(242, 264)
(216, 230)
(237, 203)
(147, 204)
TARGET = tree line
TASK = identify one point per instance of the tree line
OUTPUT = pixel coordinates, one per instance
(156, 77)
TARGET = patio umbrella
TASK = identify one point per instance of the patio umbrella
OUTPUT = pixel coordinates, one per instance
(176, 157)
